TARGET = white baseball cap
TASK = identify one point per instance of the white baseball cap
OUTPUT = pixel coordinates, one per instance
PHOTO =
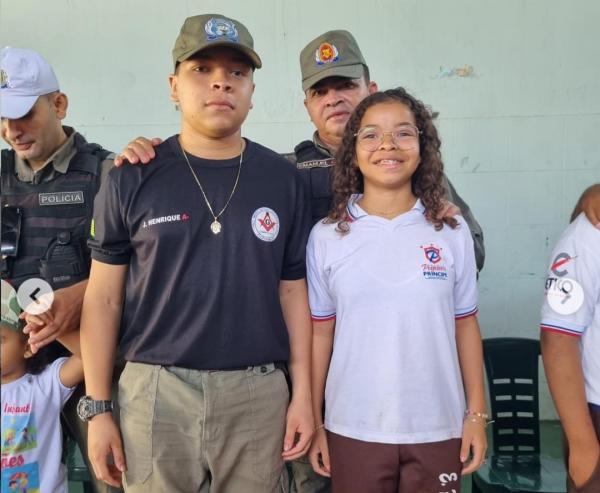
(24, 76)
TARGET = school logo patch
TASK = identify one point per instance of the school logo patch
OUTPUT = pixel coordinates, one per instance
(265, 224)
(326, 53)
(220, 28)
(432, 269)
(432, 253)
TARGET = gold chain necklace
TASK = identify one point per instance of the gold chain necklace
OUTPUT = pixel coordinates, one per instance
(215, 226)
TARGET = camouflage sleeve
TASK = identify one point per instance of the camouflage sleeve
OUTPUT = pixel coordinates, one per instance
(476, 231)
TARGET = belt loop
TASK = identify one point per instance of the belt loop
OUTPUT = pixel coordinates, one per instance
(264, 369)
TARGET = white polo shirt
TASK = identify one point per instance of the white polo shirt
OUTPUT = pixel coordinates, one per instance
(572, 302)
(395, 288)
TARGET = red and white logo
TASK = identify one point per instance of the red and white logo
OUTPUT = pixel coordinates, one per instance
(265, 224)
(326, 53)
(432, 253)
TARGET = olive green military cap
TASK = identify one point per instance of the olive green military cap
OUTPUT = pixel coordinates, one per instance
(335, 53)
(10, 309)
(205, 31)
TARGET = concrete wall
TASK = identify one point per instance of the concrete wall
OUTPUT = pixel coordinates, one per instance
(516, 84)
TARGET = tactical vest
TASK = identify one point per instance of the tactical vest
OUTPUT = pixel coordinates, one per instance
(56, 217)
(315, 167)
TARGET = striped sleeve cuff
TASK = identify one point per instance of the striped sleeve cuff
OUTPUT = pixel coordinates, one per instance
(561, 330)
(322, 318)
(459, 315)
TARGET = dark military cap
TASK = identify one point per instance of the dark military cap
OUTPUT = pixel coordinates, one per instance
(205, 31)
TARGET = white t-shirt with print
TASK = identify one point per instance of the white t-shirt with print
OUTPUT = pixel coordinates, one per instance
(572, 302)
(395, 288)
(31, 432)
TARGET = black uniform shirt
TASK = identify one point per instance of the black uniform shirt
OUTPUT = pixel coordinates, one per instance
(195, 299)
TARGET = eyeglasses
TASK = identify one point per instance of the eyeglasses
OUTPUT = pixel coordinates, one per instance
(405, 137)
(11, 230)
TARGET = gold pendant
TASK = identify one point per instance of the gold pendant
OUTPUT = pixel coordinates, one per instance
(215, 227)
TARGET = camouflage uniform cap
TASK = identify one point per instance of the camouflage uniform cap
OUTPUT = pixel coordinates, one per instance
(335, 53)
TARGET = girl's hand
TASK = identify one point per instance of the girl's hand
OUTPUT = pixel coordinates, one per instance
(319, 453)
(474, 440)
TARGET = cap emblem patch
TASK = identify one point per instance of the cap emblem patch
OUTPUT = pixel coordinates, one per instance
(3, 79)
(218, 28)
(326, 53)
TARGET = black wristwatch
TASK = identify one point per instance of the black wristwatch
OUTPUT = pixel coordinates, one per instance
(87, 408)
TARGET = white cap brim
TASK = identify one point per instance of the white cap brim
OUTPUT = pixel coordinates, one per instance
(15, 107)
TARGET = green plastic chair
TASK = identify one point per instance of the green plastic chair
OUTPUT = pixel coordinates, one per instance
(516, 464)
(76, 468)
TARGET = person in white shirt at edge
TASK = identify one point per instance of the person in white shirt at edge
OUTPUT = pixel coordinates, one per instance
(34, 392)
(393, 297)
(570, 337)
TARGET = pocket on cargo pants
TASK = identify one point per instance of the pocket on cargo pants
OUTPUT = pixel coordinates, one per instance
(137, 398)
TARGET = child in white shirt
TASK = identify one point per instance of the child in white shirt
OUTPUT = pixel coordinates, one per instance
(393, 297)
(33, 395)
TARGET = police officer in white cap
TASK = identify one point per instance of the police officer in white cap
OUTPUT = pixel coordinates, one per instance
(49, 177)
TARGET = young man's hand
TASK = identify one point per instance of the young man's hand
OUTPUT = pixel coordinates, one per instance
(319, 454)
(104, 441)
(300, 426)
(139, 150)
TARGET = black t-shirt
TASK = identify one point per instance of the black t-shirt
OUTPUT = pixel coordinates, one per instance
(195, 299)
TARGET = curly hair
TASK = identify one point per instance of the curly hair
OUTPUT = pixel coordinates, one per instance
(36, 363)
(427, 180)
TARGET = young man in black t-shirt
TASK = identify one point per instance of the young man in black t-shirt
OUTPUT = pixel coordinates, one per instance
(203, 255)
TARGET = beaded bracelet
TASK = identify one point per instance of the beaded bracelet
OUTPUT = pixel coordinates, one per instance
(318, 427)
(468, 413)
(474, 417)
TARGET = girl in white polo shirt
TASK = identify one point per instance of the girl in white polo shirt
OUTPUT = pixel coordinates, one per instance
(393, 297)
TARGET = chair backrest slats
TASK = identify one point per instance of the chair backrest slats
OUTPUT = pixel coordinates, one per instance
(511, 366)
